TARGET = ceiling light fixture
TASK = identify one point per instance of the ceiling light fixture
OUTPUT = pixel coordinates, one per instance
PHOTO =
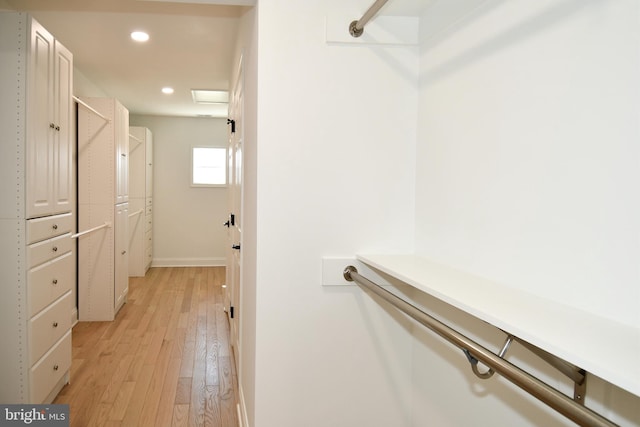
(208, 96)
(167, 90)
(140, 36)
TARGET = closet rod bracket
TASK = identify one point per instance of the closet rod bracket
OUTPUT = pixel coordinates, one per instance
(354, 30)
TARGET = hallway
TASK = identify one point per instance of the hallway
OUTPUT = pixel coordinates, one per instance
(165, 361)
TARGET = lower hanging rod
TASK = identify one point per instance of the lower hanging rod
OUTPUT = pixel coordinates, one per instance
(550, 396)
(91, 230)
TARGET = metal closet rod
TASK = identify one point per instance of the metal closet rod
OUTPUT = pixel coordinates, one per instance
(550, 396)
(356, 28)
(138, 140)
(91, 230)
(90, 108)
(138, 212)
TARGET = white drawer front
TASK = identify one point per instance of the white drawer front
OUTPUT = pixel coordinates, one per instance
(49, 281)
(47, 327)
(50, 369)
(50, 226)
(47, 250)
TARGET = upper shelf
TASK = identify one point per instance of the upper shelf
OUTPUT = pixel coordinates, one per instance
(602, 347)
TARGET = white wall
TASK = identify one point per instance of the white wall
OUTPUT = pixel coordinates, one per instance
(482, 149)
(527, 173)
(528, 165)
(331, 179)
(187, 221)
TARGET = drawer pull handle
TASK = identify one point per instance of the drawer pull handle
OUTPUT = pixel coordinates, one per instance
(54, 281)
(55, 249)
(55, 324)
(55, 367)
(55, 226)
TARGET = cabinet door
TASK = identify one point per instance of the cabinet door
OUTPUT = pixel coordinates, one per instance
(149, 163)
(136, 164)
(63, 191)
(122, 153)
(41, 126)
(121, 243)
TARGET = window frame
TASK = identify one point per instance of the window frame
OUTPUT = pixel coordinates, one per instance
(225, 163)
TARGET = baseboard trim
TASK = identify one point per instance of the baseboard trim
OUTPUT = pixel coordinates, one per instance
(243, 419)
(74, 316)
(189, 262)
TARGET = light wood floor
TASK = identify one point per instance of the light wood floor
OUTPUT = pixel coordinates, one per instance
(165, 361)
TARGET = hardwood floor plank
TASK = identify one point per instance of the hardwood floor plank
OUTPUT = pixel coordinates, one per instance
(136, 402)
(164, 361)
(152, 399)
(121, 403)
(213, 416)
(180, 416)
(167, 398)
(183, 391)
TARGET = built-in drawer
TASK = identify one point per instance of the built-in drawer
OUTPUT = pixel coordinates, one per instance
(49, 226)
(48, 326)
(50, 369)
(38, 253)
(49, 281)
(149, 222)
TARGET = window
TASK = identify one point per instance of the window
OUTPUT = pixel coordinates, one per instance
(208, 167)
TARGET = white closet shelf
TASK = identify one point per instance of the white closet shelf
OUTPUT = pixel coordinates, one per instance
(605, 348)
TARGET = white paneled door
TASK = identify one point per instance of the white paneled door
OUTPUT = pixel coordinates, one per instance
(234, 251)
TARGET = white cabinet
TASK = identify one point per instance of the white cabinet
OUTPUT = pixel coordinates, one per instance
(49, 155)
(121, 262)
(37, 215)
(140, 200)
(103, 192)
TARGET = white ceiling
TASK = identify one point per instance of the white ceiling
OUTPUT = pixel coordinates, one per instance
(191, 46)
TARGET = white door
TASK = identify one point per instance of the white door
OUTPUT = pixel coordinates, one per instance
(63, 188)
(41, 124)
(234, 279)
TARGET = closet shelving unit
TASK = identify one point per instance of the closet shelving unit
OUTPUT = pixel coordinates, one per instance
(597, 345)
(103, 209)
(601, 346)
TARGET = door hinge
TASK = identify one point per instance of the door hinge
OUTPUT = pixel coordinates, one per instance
(231, 312)
(233, 125)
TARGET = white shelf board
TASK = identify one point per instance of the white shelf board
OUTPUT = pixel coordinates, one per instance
(605, 348)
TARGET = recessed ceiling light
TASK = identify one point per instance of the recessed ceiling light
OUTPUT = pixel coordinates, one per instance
(140, 36)
(167, 90)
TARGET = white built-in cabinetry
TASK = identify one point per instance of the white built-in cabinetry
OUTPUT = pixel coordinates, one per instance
(103, 187)
(37, 213)
(140, 200)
